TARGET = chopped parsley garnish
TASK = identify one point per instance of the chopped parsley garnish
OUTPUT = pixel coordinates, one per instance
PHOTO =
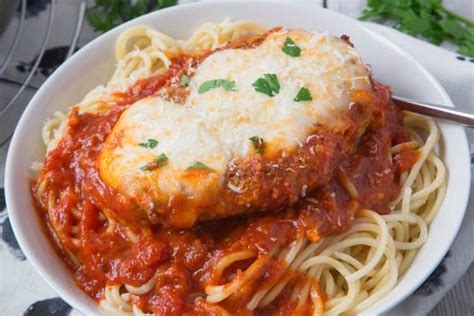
(158, 162)
(268, 85)
(303, 95)
(216, 83)
(198, 165)
(428, 19)
(185, 81)
(258, 144)
(106, 14)
(150, 143)
(290, 48)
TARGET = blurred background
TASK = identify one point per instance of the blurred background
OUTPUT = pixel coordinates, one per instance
(37, 36)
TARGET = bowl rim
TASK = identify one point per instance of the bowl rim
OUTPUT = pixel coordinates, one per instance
(15, 148)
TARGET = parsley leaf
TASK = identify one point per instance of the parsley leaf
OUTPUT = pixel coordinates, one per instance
(150, 143)
(290, 48)
(158, 162)
(303, 95)
(216, 83)
(185, 81)
(258, 144)
(424, 18)
(268, 85)
(107, 14)
(467, 48)
(198, 165)
(453, 28)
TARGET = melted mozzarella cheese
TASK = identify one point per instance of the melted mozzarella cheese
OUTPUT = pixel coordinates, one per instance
(214, 127)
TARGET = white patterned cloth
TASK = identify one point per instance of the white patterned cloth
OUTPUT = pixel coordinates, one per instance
(22, 291)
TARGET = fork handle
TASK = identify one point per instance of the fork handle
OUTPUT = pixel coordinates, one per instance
(435, 110)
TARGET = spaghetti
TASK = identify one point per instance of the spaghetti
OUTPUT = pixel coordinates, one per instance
(339, 249)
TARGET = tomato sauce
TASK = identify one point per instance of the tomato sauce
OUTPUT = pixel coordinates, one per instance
(105, 241)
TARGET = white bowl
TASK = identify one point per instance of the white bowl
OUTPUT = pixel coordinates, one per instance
(94, 64)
